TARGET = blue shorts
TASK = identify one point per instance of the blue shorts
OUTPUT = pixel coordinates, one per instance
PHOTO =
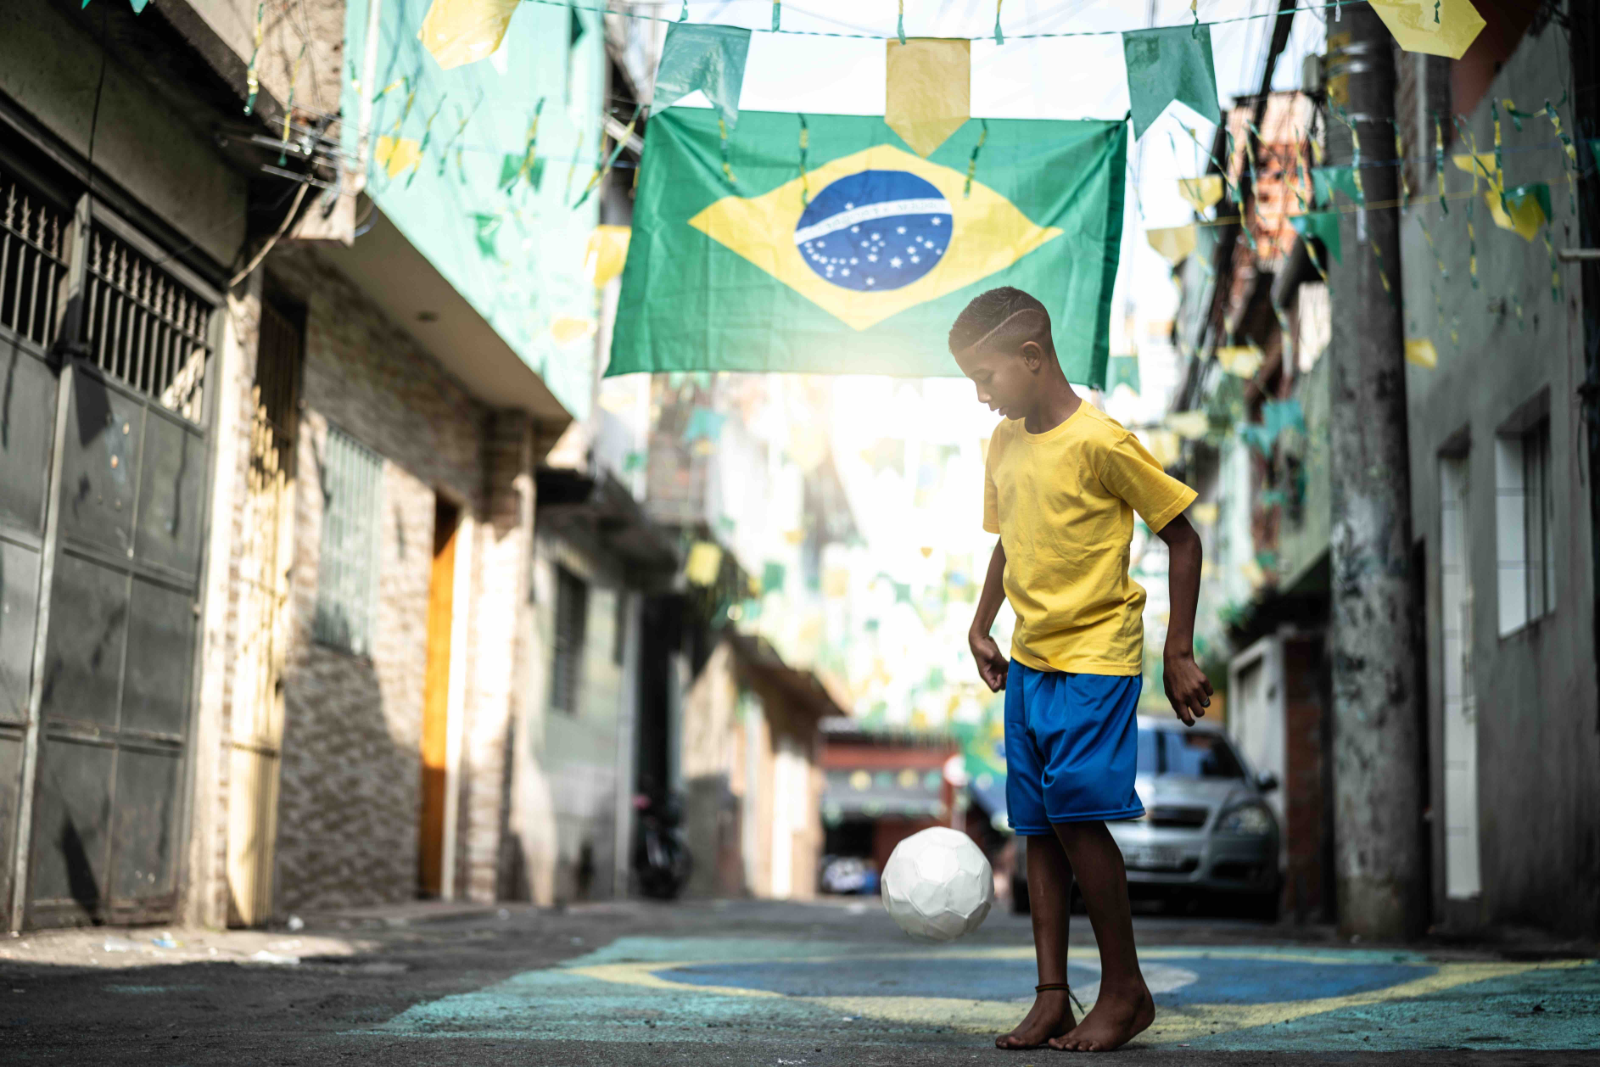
(1072, 748)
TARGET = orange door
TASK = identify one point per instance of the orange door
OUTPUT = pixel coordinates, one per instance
(436, 699)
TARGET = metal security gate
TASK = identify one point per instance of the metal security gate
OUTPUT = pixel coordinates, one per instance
(105, 351)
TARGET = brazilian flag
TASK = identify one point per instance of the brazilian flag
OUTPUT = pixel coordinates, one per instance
(826, 246)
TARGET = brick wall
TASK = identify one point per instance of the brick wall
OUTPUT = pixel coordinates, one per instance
(349, 801)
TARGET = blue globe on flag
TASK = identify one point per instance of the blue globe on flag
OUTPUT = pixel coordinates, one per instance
(879, 229)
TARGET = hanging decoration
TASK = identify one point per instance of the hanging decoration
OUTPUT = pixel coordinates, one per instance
(1324, 227)
(708, 58)
(1420, 351)
(1241, 361)
(777, 15)
(704, 563)
(427, 136)
(929, 90)
(566, 329)
(607, 251)
(773, 574)
(1169, 64)
(1523, 209)
(456, 32)
(605, 168)
(866, 277)
(252, 74)
(1325, 181)
(1123, 370)
(1434, 27)
(526, 167)
(396, 155)
(999, 35)
(1164, 446)
(972, 161)
(1174, 243)
(1201, 192)
(1189, 425)
(705, 424)
(486, 231)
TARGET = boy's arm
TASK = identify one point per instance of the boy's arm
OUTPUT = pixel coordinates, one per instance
(992, 664)
(1187, 685)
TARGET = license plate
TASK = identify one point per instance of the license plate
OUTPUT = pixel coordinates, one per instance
(1153, 857)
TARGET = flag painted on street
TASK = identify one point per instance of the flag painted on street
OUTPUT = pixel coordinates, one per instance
(859, 262)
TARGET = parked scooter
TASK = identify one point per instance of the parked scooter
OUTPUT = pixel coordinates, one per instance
(661, 859)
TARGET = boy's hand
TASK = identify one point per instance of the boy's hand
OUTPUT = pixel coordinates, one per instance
(992, 665)
(1187, 686)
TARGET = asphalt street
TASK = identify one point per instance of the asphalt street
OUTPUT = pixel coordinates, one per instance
(716, 983)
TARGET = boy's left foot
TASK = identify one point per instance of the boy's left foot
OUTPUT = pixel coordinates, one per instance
(1050, 1017)
(1115, 1019)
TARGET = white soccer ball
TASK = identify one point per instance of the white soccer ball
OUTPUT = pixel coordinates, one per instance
(938, 885)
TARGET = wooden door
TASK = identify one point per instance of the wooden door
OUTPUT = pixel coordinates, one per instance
(436, 699)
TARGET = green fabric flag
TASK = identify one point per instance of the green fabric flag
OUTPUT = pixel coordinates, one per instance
(1326, 180)
(1169, 64)
(1324, 226)
(708, 58)
(1123, 370)
(867, 272)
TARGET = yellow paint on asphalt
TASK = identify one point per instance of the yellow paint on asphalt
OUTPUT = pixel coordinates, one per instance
(1171, 1025)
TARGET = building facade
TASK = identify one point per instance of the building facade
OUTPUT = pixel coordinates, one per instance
(278, 613)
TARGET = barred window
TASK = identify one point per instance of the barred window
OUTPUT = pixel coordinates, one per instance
(347, 572)
(33, 261)
(572, 618)
(143, 325)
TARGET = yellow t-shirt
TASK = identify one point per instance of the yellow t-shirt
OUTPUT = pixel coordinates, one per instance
(1062, 502)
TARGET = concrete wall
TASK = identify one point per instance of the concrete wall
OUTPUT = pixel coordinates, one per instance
(1538, 749)
(51, 63)
(315, 25)
(576, 752)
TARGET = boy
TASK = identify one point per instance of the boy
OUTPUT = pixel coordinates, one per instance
(1061, 485)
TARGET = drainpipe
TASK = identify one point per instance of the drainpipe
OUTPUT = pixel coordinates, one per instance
(1584, 33)
(369, 74)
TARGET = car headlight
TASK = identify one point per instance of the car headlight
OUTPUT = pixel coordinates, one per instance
(1252, 819)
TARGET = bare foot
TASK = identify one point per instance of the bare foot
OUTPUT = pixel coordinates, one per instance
(1113, 1021)
(1051, 1016)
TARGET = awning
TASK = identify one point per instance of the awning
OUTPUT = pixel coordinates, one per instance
(412, 292)
(862, 793)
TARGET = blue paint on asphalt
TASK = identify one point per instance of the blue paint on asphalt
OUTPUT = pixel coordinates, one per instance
(884, 977)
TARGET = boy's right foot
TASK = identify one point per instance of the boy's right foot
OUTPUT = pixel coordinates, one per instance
(1051, 1016)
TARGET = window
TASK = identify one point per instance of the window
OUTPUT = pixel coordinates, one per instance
(1189, 755)
(1522, 518)
(572, 617)
(619, 635)
(347, 573)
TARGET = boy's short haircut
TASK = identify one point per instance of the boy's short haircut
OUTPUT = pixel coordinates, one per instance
(988, 310)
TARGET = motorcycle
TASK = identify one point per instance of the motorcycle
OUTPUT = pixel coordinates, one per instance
(661, 859)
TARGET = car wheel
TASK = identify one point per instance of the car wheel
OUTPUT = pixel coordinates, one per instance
(1262, 907)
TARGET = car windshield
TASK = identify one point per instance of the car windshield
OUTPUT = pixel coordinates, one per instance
(1190, 755)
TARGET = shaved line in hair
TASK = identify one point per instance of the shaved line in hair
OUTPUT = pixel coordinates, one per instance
(1038, 324)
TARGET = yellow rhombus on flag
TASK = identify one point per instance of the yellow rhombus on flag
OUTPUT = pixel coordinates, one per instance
(743, 225)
